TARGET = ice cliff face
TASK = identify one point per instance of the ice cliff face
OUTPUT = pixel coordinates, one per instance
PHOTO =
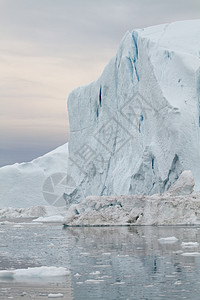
(135, 129)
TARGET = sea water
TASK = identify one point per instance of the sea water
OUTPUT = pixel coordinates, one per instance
(138, 262)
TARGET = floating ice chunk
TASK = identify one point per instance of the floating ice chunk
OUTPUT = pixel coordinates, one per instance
(37, 272)
(55, 295)
(191, 254)
(168, 240)
(95, 281)
(178, 282)
(178, 252)
(189, 244)
(118, 283)
(77, 275)
(95, 273)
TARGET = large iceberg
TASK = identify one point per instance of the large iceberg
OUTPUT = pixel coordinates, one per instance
(136, 129)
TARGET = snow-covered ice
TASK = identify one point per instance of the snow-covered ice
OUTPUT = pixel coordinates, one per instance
(189, 244)
(21, 184)
(135, 129)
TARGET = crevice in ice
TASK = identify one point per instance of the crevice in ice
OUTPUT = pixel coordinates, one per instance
(135, 37)
(152, 163)
(135, 55)
(76, 212)
(100, 103)
(173, 173)
(140, 122)
(97, 112)
(150, 191)
(136, 71)
(168, 54)
(131, 66)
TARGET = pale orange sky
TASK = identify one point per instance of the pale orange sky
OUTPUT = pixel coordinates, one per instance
(50, 47)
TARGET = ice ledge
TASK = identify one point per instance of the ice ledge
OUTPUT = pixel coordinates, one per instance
(180, 205)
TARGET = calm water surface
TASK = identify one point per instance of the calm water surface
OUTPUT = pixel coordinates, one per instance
(105, 262)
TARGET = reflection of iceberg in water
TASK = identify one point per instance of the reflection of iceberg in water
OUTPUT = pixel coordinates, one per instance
(130, 263)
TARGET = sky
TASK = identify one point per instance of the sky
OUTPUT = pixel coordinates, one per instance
(50, 47)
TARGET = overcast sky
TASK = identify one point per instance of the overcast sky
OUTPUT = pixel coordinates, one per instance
(49, 47)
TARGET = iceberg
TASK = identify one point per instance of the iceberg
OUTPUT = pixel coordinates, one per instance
(28, 184)
(134, 144)
(136, 129)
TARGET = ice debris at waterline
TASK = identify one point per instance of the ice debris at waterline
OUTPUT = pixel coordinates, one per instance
(135, 129)
(180, 205)
(50, 219)
(45, 212)
(31, 273)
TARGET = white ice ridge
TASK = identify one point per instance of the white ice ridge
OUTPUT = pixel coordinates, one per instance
(135, 129)
(158, 209)
(21, 185)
